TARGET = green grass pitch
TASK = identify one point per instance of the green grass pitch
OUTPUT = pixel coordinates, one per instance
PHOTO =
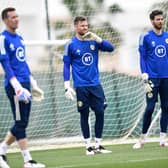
(122, 156)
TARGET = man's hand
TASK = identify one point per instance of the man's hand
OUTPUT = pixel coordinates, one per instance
(69, 92)
(37, 93)
(22, 94)
(148, 85)
(92, 36)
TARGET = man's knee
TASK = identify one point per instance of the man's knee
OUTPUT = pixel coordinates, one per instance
(19, 130)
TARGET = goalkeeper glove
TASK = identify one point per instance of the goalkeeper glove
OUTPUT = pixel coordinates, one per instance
(37, 93)
(92, 36)
(147, 83)
(22, 94)
(69, 92)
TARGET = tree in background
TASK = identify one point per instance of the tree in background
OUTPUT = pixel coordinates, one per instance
(91, 9)
(164, 7)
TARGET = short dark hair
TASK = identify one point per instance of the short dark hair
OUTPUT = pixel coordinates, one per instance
(4, 13)
(155, 13)
(79, 19)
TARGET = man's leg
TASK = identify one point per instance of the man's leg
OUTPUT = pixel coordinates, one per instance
(85, 128)
(164, 115)
(98, 105)
(9, 139)
(83, 108)
(151, 99)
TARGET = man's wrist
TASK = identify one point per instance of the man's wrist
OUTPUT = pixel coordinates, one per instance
(66, 84)
(99, 39)
(145, 77)
(15, 84)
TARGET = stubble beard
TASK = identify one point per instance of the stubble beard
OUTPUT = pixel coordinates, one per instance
(158, 27)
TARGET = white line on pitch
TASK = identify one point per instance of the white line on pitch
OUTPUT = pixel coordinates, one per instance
(141, 160)
(77, 165)
(128, 161)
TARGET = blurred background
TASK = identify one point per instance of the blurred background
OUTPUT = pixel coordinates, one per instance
(46, 25)
(119, 21)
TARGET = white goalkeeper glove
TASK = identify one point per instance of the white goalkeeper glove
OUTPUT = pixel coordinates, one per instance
(69, 92)
(92, 36)
(148, 85)
(22, 94)
(37, 93)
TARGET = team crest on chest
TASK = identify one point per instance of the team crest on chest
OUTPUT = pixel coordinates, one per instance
(92, 47)
(166, 40)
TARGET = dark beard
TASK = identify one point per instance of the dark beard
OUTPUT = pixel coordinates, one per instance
(81, 34)
(158, 27)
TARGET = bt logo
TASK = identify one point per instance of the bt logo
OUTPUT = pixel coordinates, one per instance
(87, 59)
(160, 51)
(20, 54)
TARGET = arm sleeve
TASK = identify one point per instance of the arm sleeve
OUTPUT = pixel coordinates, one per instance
(3, 52)
(106, 46)
(4, 58)
(67, 62)
(66, 71)
(143, 55)
(7, 69)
